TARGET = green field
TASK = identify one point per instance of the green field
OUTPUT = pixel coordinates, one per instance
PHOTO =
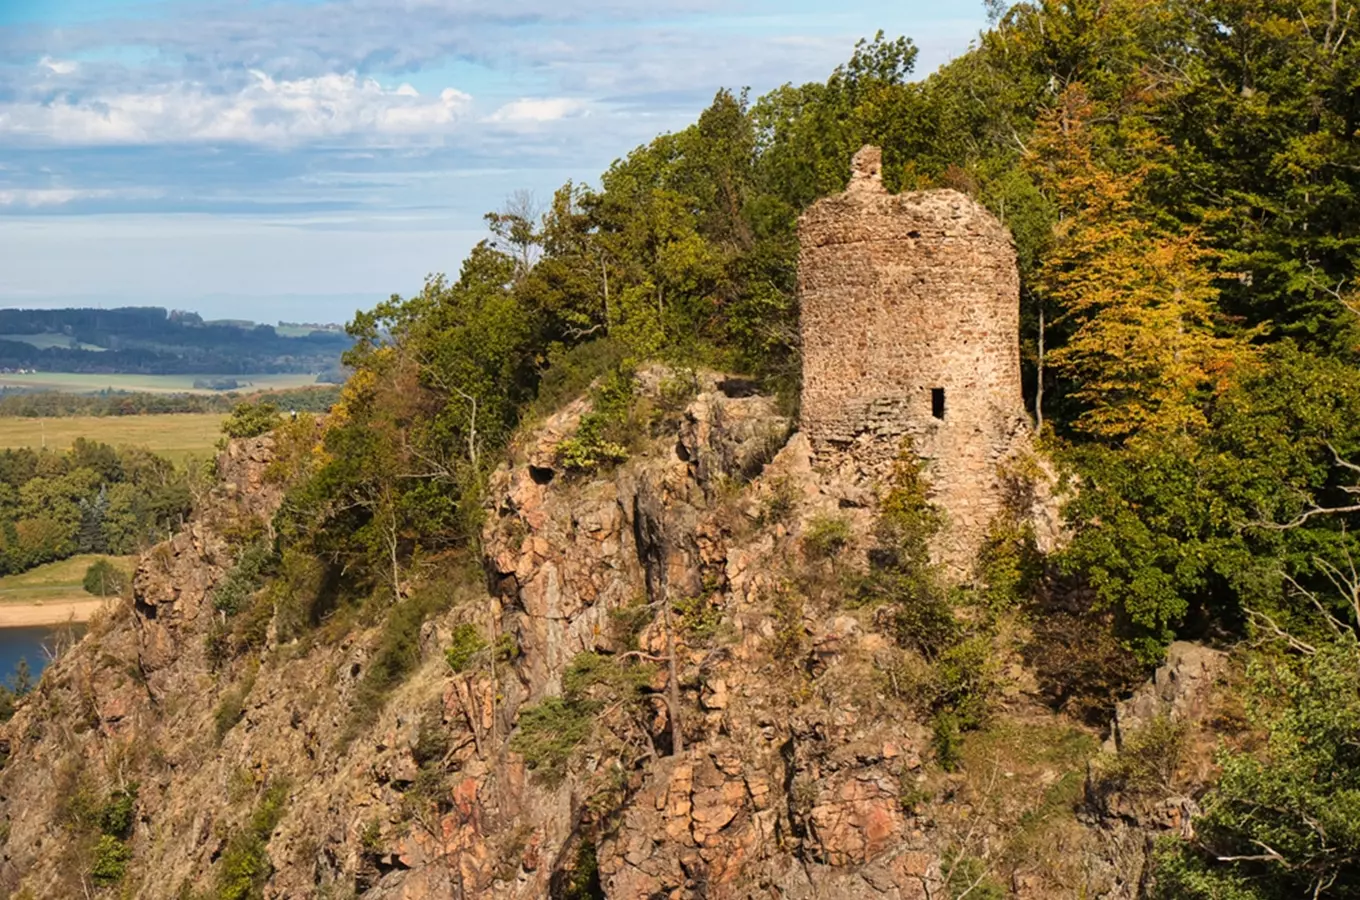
(177, 436)
(62, 580)
(44, 341)
(81, 383)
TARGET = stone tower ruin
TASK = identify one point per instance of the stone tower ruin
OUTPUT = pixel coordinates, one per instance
(910, 329)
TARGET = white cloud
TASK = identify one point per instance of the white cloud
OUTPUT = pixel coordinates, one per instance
(528, 110)
(35, 198)
(58, 66)
(263, 111)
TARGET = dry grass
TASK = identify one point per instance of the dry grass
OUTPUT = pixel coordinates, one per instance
(56, 581)
(177, 436)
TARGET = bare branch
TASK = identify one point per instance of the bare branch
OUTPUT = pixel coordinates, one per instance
(1269, 856)
(1279, 632)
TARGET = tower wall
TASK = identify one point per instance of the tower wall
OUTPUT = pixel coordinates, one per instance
(910, 328)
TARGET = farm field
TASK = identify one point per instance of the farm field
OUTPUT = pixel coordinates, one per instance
(58, 581)
(44, 341)
(85, 383)
(177, 436)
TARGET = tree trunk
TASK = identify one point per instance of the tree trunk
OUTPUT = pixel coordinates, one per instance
(1039, 384)
(673, 679)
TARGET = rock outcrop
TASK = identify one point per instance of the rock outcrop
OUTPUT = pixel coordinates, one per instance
(805, 770)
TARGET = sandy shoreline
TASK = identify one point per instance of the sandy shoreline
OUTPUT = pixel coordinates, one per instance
(49, 612)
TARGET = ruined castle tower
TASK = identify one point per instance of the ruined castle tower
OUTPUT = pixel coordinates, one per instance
(910, 327)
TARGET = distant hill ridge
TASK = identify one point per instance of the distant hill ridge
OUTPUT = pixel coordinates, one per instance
(155, 341)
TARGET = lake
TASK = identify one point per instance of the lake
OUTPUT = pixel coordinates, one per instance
(27, 644)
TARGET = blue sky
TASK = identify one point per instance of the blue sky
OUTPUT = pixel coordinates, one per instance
(298, 159)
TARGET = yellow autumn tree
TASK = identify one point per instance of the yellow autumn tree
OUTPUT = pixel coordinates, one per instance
(1137, 299)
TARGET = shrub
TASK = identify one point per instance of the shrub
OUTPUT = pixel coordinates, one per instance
(548, 734)
(1297, 796)
(232, 707)
(1147, 761)
(1081, 666)
(570, 373)
(245, 865)
(826, 537)
(959, 692)
(583, 879)
(627, 622)
(786, 646)
(250, 420)
(779, 504)
(1009, 565)
(252, 567)
(902, 575)
(111, 857)
(294, 445)
(604, 433)
(116, 816)
(955, 676)
(397, 653)
(304, 591)
(467, 643)
(697, 617)
(104, 579)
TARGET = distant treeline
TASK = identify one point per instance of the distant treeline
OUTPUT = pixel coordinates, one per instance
(92, 498)
(155, 341)
(54, 404)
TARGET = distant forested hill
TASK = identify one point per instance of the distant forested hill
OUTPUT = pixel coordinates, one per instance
(155, 341)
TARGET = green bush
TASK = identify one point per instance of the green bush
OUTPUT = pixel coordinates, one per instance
(245, 865)
(111, 857)
(777, 506)
(1284, 819)
(104, 579)
(697, 617)
(116, 816)
(250, 420)
(252, 567)
(627, 622)
(1009, 566)
(229, 711)
(232, 707)
(826, 537)
(397, 653)
(549, 733)
(1147, 761)
(570, 373)
(467, 643)
(604, 433)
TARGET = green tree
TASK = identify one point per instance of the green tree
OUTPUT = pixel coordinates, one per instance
(1283, 821)
(104, 579)
(250, 420)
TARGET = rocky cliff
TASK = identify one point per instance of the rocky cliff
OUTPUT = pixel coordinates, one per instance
(559, 757)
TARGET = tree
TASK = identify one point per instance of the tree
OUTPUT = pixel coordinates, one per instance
(250, 420)
(1283, 821)
(1137, 301)
(104, 579)
(1185, 532)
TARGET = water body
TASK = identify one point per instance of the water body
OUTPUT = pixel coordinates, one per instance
(30, 644)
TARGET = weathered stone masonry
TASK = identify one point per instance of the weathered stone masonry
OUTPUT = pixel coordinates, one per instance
(910, 326)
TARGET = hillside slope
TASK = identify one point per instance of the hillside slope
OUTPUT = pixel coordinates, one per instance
(531, 750)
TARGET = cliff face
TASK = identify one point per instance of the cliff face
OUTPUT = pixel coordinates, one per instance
(794, 765)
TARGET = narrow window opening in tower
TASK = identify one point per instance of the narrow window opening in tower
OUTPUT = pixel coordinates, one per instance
(937, 402)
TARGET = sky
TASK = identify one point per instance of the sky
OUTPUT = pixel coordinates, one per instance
(297, 160)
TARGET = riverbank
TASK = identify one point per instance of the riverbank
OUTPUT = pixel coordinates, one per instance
(50, 612)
